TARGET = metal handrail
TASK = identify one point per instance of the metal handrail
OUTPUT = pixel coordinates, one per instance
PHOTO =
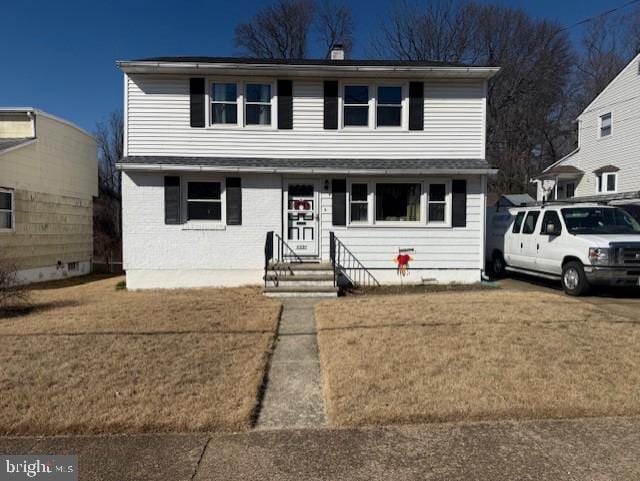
(344, 261)
(276, 251)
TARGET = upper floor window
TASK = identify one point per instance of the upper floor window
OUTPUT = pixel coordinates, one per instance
(6, 210)
(605, 125)
(224, 103)
(607, 182)
(356, 105)
(389, 106)
(257, 104)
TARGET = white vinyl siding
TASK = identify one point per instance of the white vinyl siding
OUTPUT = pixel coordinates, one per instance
(158, 124)
(622, 100)
(436, 247)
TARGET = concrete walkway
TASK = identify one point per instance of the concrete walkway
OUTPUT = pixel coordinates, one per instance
(572, 450)
(293, 396)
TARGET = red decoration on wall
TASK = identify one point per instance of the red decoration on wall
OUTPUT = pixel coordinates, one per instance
(403, 264)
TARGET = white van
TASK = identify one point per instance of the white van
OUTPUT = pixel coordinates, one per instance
(579, 244)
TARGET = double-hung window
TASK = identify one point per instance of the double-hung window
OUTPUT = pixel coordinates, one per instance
(204, 201)
(607, 183)
(437, 203)
(6, 210)
(224, 103)
(356, 106)
(257, 104)
(389, 106)
(398, 202)
(359, 205)
(605, 125)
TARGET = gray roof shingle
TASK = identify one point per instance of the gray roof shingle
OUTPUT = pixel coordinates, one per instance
(333, 165)
(9, 143)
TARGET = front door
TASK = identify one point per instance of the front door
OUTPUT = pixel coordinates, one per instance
(301, 216)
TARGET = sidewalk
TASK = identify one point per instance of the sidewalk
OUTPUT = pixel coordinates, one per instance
(585, 449)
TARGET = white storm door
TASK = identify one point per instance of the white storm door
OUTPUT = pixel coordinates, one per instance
(301, 216)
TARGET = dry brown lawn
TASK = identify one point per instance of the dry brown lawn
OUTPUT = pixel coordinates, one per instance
(92, 359)
(498, 354)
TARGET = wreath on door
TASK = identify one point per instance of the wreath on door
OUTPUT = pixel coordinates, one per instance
(301, 204)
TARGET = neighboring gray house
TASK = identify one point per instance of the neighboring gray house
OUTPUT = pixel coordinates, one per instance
(606, 164)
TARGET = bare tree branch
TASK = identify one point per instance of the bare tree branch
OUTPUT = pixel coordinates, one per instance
(334, 24)
(277, 31)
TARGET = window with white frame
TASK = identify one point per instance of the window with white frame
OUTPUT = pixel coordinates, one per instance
(389, 106)
(224, 103)
(607, 182)
(257, 104)
(359, 205)
(356, 106)
(6, 210)
(605, 125)
(204, 201)
(437, 203)
(398, 202)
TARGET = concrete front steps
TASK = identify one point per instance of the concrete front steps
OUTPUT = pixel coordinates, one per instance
(304, 279)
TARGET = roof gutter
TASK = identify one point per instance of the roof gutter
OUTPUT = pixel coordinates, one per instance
(131, 167)
(318, 69)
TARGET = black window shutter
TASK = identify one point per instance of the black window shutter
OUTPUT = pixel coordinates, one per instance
(171, 199)
(339, 201)
(196, 92)
(330, 104)
(459, 203)
(285, 104)
(234, 200)
(416, 105)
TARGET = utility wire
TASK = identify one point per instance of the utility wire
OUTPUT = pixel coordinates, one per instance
(603, 14)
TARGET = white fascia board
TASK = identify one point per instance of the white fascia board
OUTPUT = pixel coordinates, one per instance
(290, 170)
(307, 70)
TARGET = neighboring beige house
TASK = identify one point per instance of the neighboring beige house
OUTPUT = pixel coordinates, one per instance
(48, 178)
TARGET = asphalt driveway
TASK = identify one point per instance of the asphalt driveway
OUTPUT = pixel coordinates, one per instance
(616, 301)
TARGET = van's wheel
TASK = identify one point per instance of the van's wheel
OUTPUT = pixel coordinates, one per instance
(574, 280)
(498, 264)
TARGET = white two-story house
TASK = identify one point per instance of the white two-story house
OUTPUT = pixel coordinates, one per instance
(606, 164)
(232, 165)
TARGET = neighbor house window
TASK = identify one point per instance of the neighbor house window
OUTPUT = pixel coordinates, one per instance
(356, 105)
(437, 203)
(571, 190)
(258, 104)
(607, 183)
(224, 103)
(359, 205)
(605, 125)
(398, 202)
(389, 107)
(204, 201)
(6, 210)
